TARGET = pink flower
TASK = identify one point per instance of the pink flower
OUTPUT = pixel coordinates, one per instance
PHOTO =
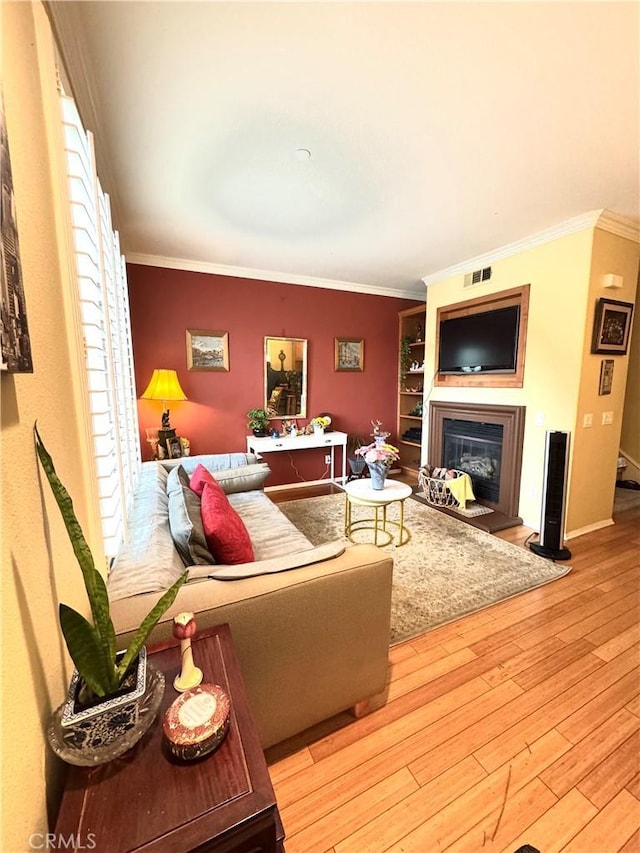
(385, 453)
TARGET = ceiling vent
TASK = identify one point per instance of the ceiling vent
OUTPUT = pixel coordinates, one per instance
(477, 277)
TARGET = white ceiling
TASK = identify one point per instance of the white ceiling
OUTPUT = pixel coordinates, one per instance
(438, 131)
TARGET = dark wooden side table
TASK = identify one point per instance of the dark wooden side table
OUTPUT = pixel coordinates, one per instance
(146, 800)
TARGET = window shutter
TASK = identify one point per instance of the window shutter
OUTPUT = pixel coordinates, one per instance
(104, 309)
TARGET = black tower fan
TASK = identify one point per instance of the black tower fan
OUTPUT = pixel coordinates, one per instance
(554, 487)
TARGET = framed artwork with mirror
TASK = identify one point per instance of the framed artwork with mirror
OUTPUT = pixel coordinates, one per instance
(285, 377)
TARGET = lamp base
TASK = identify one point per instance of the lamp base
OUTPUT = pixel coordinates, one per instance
(164, 434)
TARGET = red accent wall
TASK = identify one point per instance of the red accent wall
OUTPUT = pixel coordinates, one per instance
(165, 303)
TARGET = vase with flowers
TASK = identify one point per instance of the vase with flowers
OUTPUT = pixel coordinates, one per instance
(320, 423)
(379, 457)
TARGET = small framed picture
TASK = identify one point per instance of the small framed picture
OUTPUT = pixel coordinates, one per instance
(611, 327)
(606, 376)
(174, 447)
(349, 354)
(207, 350)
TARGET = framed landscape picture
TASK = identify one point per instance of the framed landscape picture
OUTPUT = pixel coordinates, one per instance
(349, 354)
(207, 350)
(611, 327)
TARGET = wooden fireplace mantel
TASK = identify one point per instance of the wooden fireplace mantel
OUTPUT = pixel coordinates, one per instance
(512, 420)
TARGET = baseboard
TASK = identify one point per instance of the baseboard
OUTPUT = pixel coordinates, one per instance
(590, 528)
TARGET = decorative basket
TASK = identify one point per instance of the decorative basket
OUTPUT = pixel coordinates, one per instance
(435, 489)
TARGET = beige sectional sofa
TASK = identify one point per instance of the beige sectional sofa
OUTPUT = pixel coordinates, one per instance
(310, 624)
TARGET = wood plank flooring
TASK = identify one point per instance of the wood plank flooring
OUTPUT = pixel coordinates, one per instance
(516, 725)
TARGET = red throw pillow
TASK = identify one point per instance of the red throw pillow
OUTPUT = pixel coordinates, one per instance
(200, 476)
(224, 530)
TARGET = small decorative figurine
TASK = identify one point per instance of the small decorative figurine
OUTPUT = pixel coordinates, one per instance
(165, 419)
(184, 628)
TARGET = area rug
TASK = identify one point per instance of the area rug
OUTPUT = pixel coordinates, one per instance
(446, 571)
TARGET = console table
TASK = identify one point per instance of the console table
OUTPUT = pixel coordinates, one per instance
(146, 800)
(328, 440)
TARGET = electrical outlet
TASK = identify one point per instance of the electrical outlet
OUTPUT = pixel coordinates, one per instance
(327, 459)
(607, 417)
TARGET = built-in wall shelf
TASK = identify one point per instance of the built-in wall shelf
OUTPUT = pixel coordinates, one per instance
(411, 326)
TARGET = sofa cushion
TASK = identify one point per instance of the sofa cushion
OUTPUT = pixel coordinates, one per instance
(248, 478)
(148, 560)
(185, 520)
(271, 532)
(224, 530)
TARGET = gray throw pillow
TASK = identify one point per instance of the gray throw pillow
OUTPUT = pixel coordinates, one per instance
(185, 522)
(176, 479)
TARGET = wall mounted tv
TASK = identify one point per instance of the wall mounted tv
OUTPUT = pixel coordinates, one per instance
(480, 343)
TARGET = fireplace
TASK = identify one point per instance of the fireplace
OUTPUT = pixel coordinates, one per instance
(486, 442)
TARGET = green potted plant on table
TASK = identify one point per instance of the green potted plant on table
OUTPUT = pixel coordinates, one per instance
(113, 696)
(258, 421)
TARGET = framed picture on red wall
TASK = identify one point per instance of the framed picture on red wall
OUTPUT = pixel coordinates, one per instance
(349, 354)
(207, 350)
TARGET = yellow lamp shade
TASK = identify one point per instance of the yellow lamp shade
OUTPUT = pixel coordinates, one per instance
(164, 385)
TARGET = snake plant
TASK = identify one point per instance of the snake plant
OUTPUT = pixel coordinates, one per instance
(93, 646)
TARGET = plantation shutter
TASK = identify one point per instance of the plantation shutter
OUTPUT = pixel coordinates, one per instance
(104, 309)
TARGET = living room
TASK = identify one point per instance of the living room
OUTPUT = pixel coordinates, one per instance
(566, 270)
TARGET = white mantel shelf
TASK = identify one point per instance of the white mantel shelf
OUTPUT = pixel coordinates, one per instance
(329, 440)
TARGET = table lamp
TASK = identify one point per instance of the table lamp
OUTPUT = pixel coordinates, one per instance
(164, 386)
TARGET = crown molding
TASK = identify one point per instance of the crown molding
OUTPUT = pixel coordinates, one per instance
(270, 275)
(603, 219)
(621, 226)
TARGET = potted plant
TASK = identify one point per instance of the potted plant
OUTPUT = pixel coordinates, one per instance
(258, 421)
(101, 717)
(405, 356)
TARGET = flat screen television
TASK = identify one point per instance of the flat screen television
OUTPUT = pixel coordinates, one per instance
(480, 343)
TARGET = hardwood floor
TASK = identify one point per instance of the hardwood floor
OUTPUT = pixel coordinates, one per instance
(516, 725)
